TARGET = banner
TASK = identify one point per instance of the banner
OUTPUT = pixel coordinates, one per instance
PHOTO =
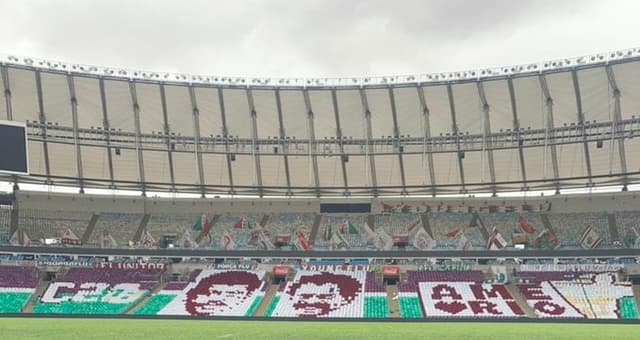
(63, 263)
(281, 271)
(590, 268)
(590, 239)
(129, 266)
(234, 265)
(391, 272)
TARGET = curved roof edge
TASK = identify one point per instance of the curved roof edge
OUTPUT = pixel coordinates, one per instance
(439, 77)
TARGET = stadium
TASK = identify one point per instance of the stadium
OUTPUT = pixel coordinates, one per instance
(498, 202)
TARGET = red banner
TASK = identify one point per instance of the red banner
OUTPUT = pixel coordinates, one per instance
(401, 240)
(392, 272)
(282, 240)
(280, 271)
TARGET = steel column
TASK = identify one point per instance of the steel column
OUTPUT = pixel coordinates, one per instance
(396, 138)
(196, 130)
(486, 111)
(225, 137)
(427, 135)
(516, 127)
(336, 112)
(253, 115)
(581, 121)
(74, 114)
(313, 150)
(617, 117)
(4, 74)
(282, 141)
(455, 132)
(167, 134)
(549, 129)
(370, 150)
(43, 122)
(107, 130)
(136, 118)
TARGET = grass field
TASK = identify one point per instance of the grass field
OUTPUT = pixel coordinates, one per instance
(54, 329)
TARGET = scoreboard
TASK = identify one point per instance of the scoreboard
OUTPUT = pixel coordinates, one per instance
(13, 148)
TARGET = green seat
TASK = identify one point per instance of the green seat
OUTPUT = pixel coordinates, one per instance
(13, 302)
(155, 304)
(410, 308)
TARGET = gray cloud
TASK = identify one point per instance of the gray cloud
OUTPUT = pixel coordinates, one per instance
(314, 38)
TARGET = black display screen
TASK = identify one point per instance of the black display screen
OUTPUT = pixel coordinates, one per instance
(13, 149)
(345, 208)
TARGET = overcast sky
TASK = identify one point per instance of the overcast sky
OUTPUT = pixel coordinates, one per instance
(315, 38)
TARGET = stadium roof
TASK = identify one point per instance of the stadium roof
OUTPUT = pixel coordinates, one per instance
(556, 124)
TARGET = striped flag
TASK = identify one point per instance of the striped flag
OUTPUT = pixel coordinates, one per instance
(590, 239)
(226, 241)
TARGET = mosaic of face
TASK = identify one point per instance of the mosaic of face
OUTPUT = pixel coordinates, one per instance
(319, 295)
(221, 293)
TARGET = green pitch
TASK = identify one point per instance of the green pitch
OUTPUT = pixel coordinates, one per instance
(53, 329)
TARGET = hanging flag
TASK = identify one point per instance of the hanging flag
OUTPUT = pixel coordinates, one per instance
(454, 233)
(368, 235)
(525, 225)
(417, 224)
(632, 238)
(107, 241)
(423, 241)
(303, 243)
(19, 238)
(463, 243)
(326, 236)
(546, 240)
(241, 223)
(590, 239)
(68, 237)
(382, 240)
(226, 242)
(353, 230)
(186, 240)
(200, 223)
(496, 241)
(338, 241)
(148, 241)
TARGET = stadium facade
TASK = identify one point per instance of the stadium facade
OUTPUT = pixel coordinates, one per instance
(551, 125)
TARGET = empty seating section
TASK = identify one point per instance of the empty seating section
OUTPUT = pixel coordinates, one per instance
(398, 223)
(315, 294)
(160, 225)
(443, 223)
(210, 293)
(375, 301)
(578, 295)
(454, 294)
(17, 284)
(569, 226)
(238, 226)
(38, 224)
(628, 221)
(289, 223)
(355, 240)
(97, 291)
(122, 227)
(5, 224)
(507, 222)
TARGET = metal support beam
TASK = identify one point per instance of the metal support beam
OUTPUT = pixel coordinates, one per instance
(486, 111)
(4, 73)
(225, 136)
(396, 139)
(516, 127)
(455, 132)
(617, 117)
(107, 130)
(76, 136)
(43, 122)
(370, 150)
(196, 131)
(549, 129)
(282, 143)
(427, 135)
(581, 121)
(136, 121)
(313, 149)
(336, 111)
(167, 135)
(253, 115)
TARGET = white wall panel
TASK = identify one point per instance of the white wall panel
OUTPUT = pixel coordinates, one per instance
(324, 117)
(237, 113)
(266, 113)
(381, 116)
(119, 105)
(24, 99)
(500, 112)
(351, 114)
(56, 99)
(95, 162)
(469, 115)
(439, 110)
(628, 80)
(151, 117)
(89, 102)
(409, 111)
(530, 102)
(179, 110)
(294, 114)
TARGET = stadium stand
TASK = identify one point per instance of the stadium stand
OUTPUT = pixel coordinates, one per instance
(121, 227)
(40, 224)
(340, 224)
(17, 284)
(97, 291)
(569, 227)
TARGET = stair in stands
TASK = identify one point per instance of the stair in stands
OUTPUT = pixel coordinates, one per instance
(522, 302)
(636, 293)
(266, 300)
(315, 228)
(426, 224)
(613, 228)
(547, 223)
(87, 232)
(392, 298)
(40, 289)
(143, 224)
(146, 299)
